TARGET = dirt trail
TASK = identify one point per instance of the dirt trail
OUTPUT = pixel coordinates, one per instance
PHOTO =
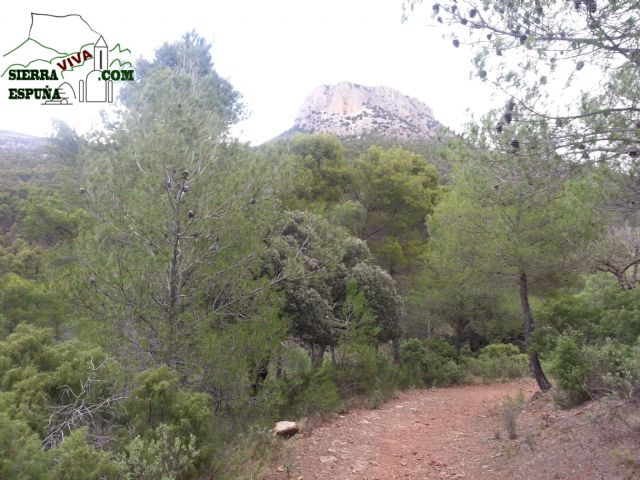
(421, 434)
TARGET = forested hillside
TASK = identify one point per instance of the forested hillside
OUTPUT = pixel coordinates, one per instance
(168, 292)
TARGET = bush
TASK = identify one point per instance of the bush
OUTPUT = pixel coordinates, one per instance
(600, 311)
(591, 338)
(166, 457)
(445, 372)
(441, 348)
(156, 399)
(499, 361)
(76, 459)
(385, 383)
(39, 373)
(167, 417)
(360, 370)
(570, 369)
(314, 394)
(500, 350)
(617, 369)
(584, 372)
(357, 371)
(413, 353)
(22, 457)
(432, 362)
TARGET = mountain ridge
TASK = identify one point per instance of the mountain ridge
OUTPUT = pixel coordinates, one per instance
(352, 111)
(21, 142)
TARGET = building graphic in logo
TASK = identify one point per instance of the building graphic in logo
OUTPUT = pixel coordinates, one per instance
(64, 61)
(94, 88)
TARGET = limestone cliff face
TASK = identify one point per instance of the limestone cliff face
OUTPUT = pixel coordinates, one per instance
(348, 110)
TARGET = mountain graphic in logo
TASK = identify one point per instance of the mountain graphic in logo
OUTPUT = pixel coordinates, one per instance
(65, 48)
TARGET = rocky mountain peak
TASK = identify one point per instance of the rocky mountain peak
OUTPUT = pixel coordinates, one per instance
(349, 110)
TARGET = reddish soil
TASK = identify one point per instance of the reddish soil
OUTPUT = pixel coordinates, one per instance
(599, 440)
(458, 432)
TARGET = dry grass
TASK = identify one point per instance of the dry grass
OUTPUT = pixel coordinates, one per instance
(511, 409)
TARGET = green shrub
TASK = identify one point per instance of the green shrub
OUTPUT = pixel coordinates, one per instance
(621, 372)
(413, 353)
(433, 362)
(409, 377)
(157, 407)
(614, 369)
(441, 348)
(601, 310)
(360, 370)
(499, 361)
(315, 394)
(589, 371)
(499, 350)
(591, 338)
(357, 370)
(76, 459)
(156, 399)
(571, 370)
(273, 399)
(443, 372)
(387, 381)
(21, 455)
(165, 457)
(39, 373)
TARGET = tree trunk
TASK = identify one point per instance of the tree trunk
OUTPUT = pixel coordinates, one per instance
(334, 359)
(534, 361)
(395, 350)
(317, 355)
(460, 328)
(258, 376)
(171, 346)
(280, 372)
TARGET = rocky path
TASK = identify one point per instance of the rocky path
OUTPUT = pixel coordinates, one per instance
(421, 434)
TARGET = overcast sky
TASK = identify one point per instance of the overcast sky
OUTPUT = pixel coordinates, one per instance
(274, 52)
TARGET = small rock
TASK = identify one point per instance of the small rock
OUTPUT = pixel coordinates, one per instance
(359, 467)
(328, 459)
(286, 429)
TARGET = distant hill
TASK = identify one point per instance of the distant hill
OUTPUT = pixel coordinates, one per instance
(14, 142)
(352, 112)
(18, 150)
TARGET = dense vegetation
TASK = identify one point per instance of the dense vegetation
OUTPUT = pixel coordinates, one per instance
(167, 293)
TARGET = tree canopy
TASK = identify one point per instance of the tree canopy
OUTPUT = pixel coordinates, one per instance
(571, 64)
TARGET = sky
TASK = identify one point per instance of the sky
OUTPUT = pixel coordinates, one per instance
(274, 53)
